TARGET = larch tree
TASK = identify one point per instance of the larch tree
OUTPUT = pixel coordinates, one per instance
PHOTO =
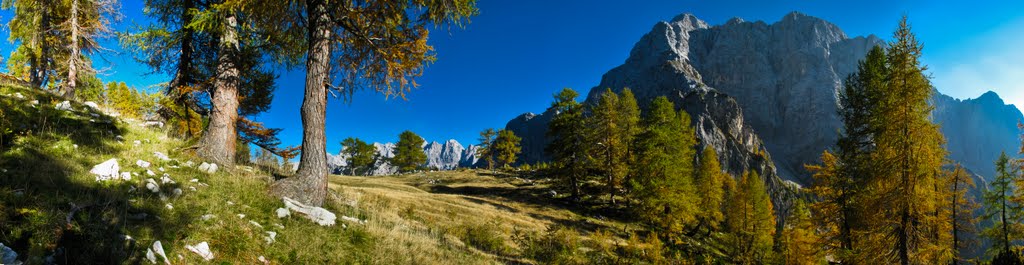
(629, 124)
(34, 26)
(962, 212)
(360, 155)
(799, 238)
(506, 148)
(216, 54)
(568, 147)
(1002, 212)
(663, 186)
(409, 155)
(908, 153)
(710, 181)
(376, 45)
(605, 131)
(750, 222)
(486, 151)
(88, 22)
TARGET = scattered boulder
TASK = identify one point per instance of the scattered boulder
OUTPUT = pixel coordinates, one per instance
(65, 106)
(142, 163)
(157, 124)
(271, 237)
(107, 170)
(166, 179)
(208, 167)
(8, 256)
(207, 217)
(34, 102)
(137, 142)
(126, 176)
(92, 105)
(283, 212)
(18, 95)
(353, 219)
(159, 250)
(177, 192)
(318, 215)
(152, 186)
(161, 156)
(203, 249)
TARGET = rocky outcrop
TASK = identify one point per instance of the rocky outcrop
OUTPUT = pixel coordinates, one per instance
(977, 130)
(444, 156)
(532, 128)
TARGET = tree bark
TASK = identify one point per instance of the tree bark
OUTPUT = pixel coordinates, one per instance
(72, 82)
(218, 143)
(184, 73)
(309, 185)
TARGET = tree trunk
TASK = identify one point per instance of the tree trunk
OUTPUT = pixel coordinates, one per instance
(184, 73)
(218, 143)
(72, 82)
(309, 185)
(40, 69)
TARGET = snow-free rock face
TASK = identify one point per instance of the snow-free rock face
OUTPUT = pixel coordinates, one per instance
(532, 128)
(440, 156)
(444, 156)
(977, 130)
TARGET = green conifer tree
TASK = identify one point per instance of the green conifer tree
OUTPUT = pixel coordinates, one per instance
(409, 155)
(506, 148)
(568, 146)
(663, 184)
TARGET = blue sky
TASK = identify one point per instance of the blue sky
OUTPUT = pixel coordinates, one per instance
(516, 54)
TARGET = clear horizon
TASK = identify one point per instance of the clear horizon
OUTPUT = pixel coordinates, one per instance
(514, 56)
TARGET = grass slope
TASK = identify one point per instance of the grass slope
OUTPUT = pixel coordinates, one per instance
(53, 211)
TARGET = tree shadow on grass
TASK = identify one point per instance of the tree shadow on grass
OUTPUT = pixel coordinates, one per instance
(50, 215)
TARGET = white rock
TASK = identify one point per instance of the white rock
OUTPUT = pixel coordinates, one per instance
(107, 170)
(283, 212)
(150, 172)
(161, 156)
(152, 186)
(19, 95)
(231, 203)
(159, 250)
(271, 237)
(34, 102)
(142, 163)
(194, 180)
(166, 179)
(254, 223)
(208, 167)
(126, 176)
(150, 256)
(92, 104)
(241, 216)
(137, 142)
(263, 259)
(207, 217)
(74, 146)
(353, 219)
(189, 163)
(65, 106)
(161, 169)
(192, 188)
(318, 215)
(8, 256)
(203, 249)
(169, 206)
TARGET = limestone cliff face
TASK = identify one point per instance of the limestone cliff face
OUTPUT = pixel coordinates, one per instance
(977, 130)
(440, 156)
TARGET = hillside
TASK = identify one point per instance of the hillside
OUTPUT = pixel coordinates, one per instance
(54, 211)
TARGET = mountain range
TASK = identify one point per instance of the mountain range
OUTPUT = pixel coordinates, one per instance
(765, 96)
(440, 156)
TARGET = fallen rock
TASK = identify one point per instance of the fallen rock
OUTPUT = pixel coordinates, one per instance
(207, 217)
(107, 170)
(8, 256)
(177, 192)
(208, 167)
(126, 176)
(189, 163)
(353, 219)
(150, 172)
(169, 206)
(271, 237)
(254, 223)
(157, 124)
(318, 215)
(283, 212)
(142, 163)
(34, 102)
(137, 142)
(65, 106)
(152, 186)
(161, 156)
(19, 95)
(203, 249)
(159, 250)
(92, 105)
(166, 179)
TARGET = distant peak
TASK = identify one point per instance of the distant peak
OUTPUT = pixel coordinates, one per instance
(795, 15)
(734, 21)
(990, 96)
(685, 16)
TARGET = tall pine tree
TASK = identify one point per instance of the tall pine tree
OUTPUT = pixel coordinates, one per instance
(750, 222)
(710, 182)
(607, 135)
(568, 146)
(487, 147)
(663, 184)
(1002, 212)
(506, 148)
(409, 155)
